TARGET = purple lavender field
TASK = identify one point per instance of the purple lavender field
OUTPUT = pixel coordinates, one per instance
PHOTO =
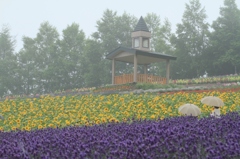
(179, 137)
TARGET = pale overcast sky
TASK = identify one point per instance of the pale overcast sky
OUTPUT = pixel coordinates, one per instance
(25, 16)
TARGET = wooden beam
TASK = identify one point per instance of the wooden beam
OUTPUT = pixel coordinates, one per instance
(167, 71)
(113, 70)
(145, 73)
(145, 69)
(135, 68)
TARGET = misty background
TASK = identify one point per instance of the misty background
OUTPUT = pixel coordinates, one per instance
(24, 17)
(58, 45)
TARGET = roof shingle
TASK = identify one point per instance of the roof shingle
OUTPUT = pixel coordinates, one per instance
(141, 25)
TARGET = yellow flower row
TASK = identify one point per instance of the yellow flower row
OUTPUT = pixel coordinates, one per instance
(89, 109)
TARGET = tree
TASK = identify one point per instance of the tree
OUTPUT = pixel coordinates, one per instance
(190, 42)
(93, 64)
(27, 66)
(225, 40)
(113, 31)
(7, 62)
(47, 43)
(48, 64)
(160, 40)
(153, 22)
(70, 74)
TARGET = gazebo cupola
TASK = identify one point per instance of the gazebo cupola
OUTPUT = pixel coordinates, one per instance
(139, 54)
(141, 36)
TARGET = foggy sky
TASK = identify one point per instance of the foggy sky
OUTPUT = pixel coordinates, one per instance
(25, 16)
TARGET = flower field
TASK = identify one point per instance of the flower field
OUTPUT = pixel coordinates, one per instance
(216, 79)
(38, 113)
(177, 138)
(118, 126)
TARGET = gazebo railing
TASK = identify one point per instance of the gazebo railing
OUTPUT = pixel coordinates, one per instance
(124, 78)
(141, 78)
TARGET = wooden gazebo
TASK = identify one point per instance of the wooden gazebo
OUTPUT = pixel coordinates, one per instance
(139, 54)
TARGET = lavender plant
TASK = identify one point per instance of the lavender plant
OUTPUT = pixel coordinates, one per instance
(179, 137)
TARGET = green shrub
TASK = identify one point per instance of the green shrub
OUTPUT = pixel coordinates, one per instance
(145, 86)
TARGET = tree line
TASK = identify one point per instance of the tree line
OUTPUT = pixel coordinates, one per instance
(50, 62)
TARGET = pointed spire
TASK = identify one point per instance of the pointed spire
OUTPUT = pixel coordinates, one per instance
(141, 25)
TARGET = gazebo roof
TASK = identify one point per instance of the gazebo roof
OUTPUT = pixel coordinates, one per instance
(125, 54)
(141, 25)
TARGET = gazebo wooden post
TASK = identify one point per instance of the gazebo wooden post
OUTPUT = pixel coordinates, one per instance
(145, 72)
(135, 68)
(113, 70)
(145, 69)
(167, 71)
